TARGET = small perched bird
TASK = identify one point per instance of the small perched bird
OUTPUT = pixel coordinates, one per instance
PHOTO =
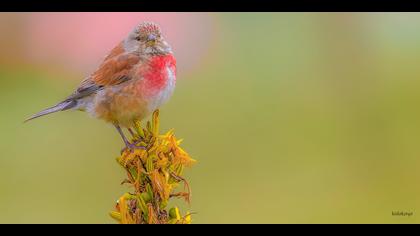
(134, 79)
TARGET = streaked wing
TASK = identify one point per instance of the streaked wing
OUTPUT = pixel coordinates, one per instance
(113, 71)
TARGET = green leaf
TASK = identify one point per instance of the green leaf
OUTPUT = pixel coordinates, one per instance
(143, 207)
(149, 191)
(115, 215)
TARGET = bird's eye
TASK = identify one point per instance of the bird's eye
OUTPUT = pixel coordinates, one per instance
(137, 38)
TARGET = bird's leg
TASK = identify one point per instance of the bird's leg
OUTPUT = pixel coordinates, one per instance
(128, 145)
(135, 136)
(131, 132)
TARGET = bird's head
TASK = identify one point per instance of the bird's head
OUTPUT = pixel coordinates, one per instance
(147, 39)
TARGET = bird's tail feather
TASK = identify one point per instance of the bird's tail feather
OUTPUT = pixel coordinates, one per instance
(62, 106)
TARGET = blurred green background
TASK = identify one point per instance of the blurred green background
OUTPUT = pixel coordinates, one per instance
(293, 118)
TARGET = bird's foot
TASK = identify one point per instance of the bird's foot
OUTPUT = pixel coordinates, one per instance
(131, 147)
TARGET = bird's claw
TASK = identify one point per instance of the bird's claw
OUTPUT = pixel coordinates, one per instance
(132, 147)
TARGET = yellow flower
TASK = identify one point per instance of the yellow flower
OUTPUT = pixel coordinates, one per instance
(153, 173)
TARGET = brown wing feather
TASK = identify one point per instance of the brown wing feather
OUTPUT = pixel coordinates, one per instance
(118, 50)
(114, 70)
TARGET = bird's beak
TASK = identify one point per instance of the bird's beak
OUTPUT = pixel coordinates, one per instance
(151, 40)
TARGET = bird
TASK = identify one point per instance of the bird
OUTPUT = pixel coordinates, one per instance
(137, 77)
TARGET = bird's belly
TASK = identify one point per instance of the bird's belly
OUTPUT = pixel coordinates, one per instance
(131, 101)
(120, 104)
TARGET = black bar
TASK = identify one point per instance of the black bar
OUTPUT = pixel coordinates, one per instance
(210, 5)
